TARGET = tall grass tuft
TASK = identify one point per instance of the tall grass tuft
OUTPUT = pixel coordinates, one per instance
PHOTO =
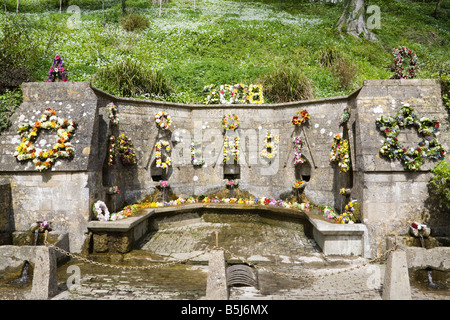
(286, 85)
(134, 22)
(130, 78)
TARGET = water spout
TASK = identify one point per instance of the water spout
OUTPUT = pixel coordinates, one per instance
(36, 235)
(24, 276)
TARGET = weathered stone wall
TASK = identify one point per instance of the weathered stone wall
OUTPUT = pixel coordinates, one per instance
(65, 194)
(391, 196)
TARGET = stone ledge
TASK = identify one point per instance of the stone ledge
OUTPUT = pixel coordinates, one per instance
(341, 239)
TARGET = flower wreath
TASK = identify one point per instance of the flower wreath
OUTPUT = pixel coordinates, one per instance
(158, 147)
(345, 116)
(159, 119)
(230, 122)
(101, 211)
(234, 148)
(340, 152)
(125, 150)
(298, 145)
(413, 158)
(301, 117)
(111, 108)
(43, 159)
(195, 153)
(400, 72)
(272, 145)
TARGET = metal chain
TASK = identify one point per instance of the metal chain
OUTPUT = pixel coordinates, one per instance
(183, 261)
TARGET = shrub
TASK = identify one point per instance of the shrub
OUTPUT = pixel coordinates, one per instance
(9, 102)
(130, 78)
(439, 186)
(18, 55)
(134, 22)
(287, 85)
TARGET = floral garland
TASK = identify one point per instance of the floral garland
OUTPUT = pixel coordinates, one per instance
(298, 145)
(301, 117)
(230, 122)
(112, 151)
(340, 152)
(345, 116)
(234, 148)
(195, 153)
(272, 145)
(113, 117)
(233, 94)
(255, 94)
(125, 150)
(101, 211)
(159, 119)
(413, 158)
(299, 184)
(158, 147)
(400, 72)
(43, 159)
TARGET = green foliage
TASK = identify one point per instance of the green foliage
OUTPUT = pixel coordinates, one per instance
(287, 85)
(134, 22)
(130, 78)
(439, 186)
(9, 102)
(18, 54)
(230, 42)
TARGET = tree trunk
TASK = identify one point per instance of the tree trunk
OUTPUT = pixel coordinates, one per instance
(124, 8)
(17, 9)
(436, 10)
(352, 20)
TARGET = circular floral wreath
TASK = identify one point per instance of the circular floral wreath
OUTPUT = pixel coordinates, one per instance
(111, 108)
(101, 211)
(163, 120)
(158, 155)
(340, 152)
(413, 158)
(272, 145)
(400, 72)
(230, 122)
(43, 159)
(301, 117)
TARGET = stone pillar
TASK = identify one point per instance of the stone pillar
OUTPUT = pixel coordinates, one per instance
(45, 283)
(216, 285)
(396, 278)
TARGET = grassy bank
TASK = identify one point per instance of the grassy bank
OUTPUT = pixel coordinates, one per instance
(229, 41)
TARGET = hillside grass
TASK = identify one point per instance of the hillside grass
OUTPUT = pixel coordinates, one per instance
(227, 42)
